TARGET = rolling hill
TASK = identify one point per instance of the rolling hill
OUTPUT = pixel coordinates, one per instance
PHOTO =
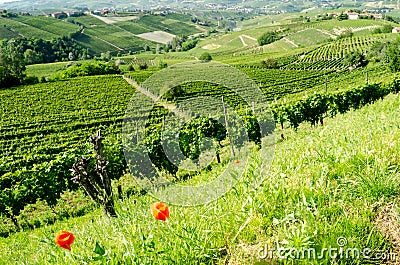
(101, 34)
(326, 177)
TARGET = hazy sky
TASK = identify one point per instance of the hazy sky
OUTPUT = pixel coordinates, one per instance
(5, 1)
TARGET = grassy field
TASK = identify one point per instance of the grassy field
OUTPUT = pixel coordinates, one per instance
(324, 183)
(308, 37)
(45, 70)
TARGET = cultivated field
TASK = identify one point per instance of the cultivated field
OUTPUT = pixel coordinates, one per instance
(327, 178)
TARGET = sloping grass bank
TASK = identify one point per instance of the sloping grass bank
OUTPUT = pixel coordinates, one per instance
(325, 183)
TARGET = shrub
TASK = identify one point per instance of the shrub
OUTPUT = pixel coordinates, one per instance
(206, 57)
(143, 66)
(270, 63)
(30, 80)
(387, 29)
(87, 69)
(73, 204)
(345, 34)
(268, 37)
(162, 65)
(6, 227)
(36, 215)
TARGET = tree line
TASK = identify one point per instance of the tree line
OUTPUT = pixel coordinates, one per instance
(15, 54)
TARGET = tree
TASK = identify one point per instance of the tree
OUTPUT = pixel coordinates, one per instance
(12, 64)
(356, 59)
(393, 56)
(31, 57)
(205, 57)
(342, 16)
(268, 37)
(188, 45)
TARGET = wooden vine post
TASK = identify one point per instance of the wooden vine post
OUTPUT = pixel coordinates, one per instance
(227, 128)
(96, 183)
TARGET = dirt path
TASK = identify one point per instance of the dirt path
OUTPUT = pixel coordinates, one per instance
(155, 98)
(249, 37)
(104, 19)
(200, 28)
(290, 42)
(327, 33)
(366, 27)
(242, 40)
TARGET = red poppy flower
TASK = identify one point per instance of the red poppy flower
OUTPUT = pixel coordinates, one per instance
(237, 161)
(65, 239)
(160, 211)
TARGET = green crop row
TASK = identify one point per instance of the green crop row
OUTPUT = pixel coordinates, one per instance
(314, 108)
(338, 49)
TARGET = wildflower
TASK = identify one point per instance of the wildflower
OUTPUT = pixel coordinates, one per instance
(65, 239)
(160, 211)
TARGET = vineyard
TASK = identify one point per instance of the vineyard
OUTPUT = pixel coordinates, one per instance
(52, 25)
(307, 160)
(47, 115)
(277, 83)
(308, 37)
(335, 146)
(25, 30)
(44, 127)
(97, 35)
(340, 48)
(336, 26)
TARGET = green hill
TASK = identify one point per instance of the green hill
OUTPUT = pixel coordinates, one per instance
(338, 171)
(100, 34)
(332, 184)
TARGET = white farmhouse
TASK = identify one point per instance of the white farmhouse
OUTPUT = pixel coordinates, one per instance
(353, 15)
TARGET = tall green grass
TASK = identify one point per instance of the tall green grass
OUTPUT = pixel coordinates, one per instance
(324, 183)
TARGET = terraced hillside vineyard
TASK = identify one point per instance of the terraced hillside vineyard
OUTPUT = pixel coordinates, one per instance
(207, 146)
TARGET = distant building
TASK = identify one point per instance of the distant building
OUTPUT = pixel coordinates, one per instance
(202, 23)
(59, 15)
(396, 30)
(378, 16)
(353, 15)
(333, 14)
(75, 14)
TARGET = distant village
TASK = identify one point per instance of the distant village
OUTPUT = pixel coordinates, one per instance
(353, 15)
(348, 14)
